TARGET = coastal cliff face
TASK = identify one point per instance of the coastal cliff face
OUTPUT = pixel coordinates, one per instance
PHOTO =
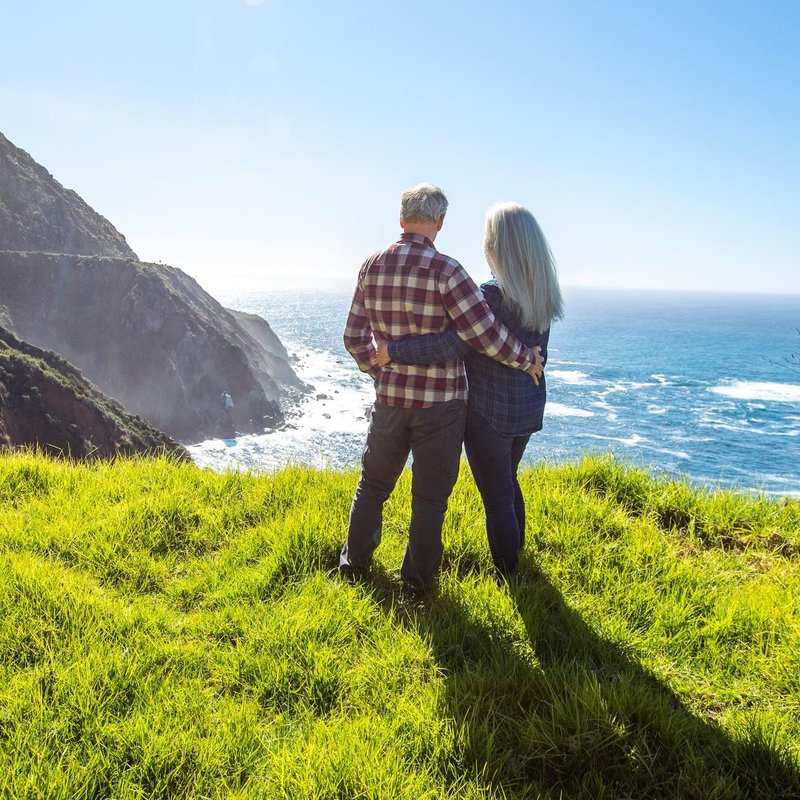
(46, 403)
(145, 334)
(38, 214)
(150, 337)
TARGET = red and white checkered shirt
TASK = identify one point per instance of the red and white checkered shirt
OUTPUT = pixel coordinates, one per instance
(410, 288)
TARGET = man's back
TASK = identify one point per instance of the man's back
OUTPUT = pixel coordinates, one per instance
(401, 292)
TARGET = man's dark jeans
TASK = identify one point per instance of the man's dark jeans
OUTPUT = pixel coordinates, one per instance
(493, 459)
(433, 435)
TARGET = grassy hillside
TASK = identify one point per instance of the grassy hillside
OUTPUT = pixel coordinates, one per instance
(169, 632)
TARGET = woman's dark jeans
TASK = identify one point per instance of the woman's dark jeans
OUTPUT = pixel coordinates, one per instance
(493, 459)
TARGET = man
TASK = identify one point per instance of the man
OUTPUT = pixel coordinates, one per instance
(410, 288)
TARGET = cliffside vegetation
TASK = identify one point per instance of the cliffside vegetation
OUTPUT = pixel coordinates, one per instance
(169, 632)
(46, 403)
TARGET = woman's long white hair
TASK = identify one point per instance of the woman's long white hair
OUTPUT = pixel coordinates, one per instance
(521, 261)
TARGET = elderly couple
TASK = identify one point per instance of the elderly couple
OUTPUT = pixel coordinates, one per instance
(416, 320)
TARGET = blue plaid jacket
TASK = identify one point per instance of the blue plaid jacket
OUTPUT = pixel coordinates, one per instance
(509, 400)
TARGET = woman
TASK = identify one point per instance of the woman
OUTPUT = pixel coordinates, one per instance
(505, 406)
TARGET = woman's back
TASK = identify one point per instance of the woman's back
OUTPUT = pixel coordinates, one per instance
(509, 400)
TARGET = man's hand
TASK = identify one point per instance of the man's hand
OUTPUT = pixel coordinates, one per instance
(536, 369)
(381, 357)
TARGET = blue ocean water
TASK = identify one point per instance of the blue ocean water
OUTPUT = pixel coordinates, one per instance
(685, 384)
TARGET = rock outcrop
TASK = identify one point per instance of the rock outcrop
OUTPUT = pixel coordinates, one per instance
(46, 403)
(145, 334)
(37, 213)
(150, 337)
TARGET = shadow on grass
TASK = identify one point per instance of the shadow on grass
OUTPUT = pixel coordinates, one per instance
(557, 711)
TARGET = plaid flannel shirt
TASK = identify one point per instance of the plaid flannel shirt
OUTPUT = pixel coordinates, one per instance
(508, 399)
(410, 289)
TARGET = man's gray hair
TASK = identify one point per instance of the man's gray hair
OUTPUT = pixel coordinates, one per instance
(422, 203)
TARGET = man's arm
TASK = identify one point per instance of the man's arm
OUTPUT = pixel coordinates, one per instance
(358, 334)
(477, 326)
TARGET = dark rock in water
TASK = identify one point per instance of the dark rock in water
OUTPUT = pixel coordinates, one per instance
(45, 402)
(38, 214)
(145, 334)
(150, 337)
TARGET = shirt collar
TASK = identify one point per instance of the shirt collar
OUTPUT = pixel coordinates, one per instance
(416, 237)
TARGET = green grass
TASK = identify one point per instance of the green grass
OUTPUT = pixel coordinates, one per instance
(169, 632)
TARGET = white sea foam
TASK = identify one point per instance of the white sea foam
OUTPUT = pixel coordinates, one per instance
(339, 400)
(651, 409)
(662, 379)
(633, 440)
(781, 493)
(630, 441)
(625, 386)
(681, 454)
(573, 377)
(326, 428)
(557, 363)
(737, 426)
(681, 436)
(760, 390)
(560, 410)
(611, 412)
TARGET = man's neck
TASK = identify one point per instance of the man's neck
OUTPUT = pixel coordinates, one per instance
(429, 229)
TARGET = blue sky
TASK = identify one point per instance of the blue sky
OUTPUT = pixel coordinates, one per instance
(260, 144)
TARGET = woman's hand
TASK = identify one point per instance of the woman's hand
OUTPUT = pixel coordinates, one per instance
(381, 357)
(535, 370)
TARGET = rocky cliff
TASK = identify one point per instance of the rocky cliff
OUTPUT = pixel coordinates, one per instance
(150, 337)
(45, 402)
(38, 214)
(145, 334)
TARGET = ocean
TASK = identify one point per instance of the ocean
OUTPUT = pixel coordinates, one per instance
(685, 385)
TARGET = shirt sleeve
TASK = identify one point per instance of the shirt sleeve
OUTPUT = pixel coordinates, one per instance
(358, 333)
(477, 326)
(431, 348)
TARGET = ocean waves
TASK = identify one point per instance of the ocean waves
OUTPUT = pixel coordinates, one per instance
(728, 432)
(760, 390)
(675, 409)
